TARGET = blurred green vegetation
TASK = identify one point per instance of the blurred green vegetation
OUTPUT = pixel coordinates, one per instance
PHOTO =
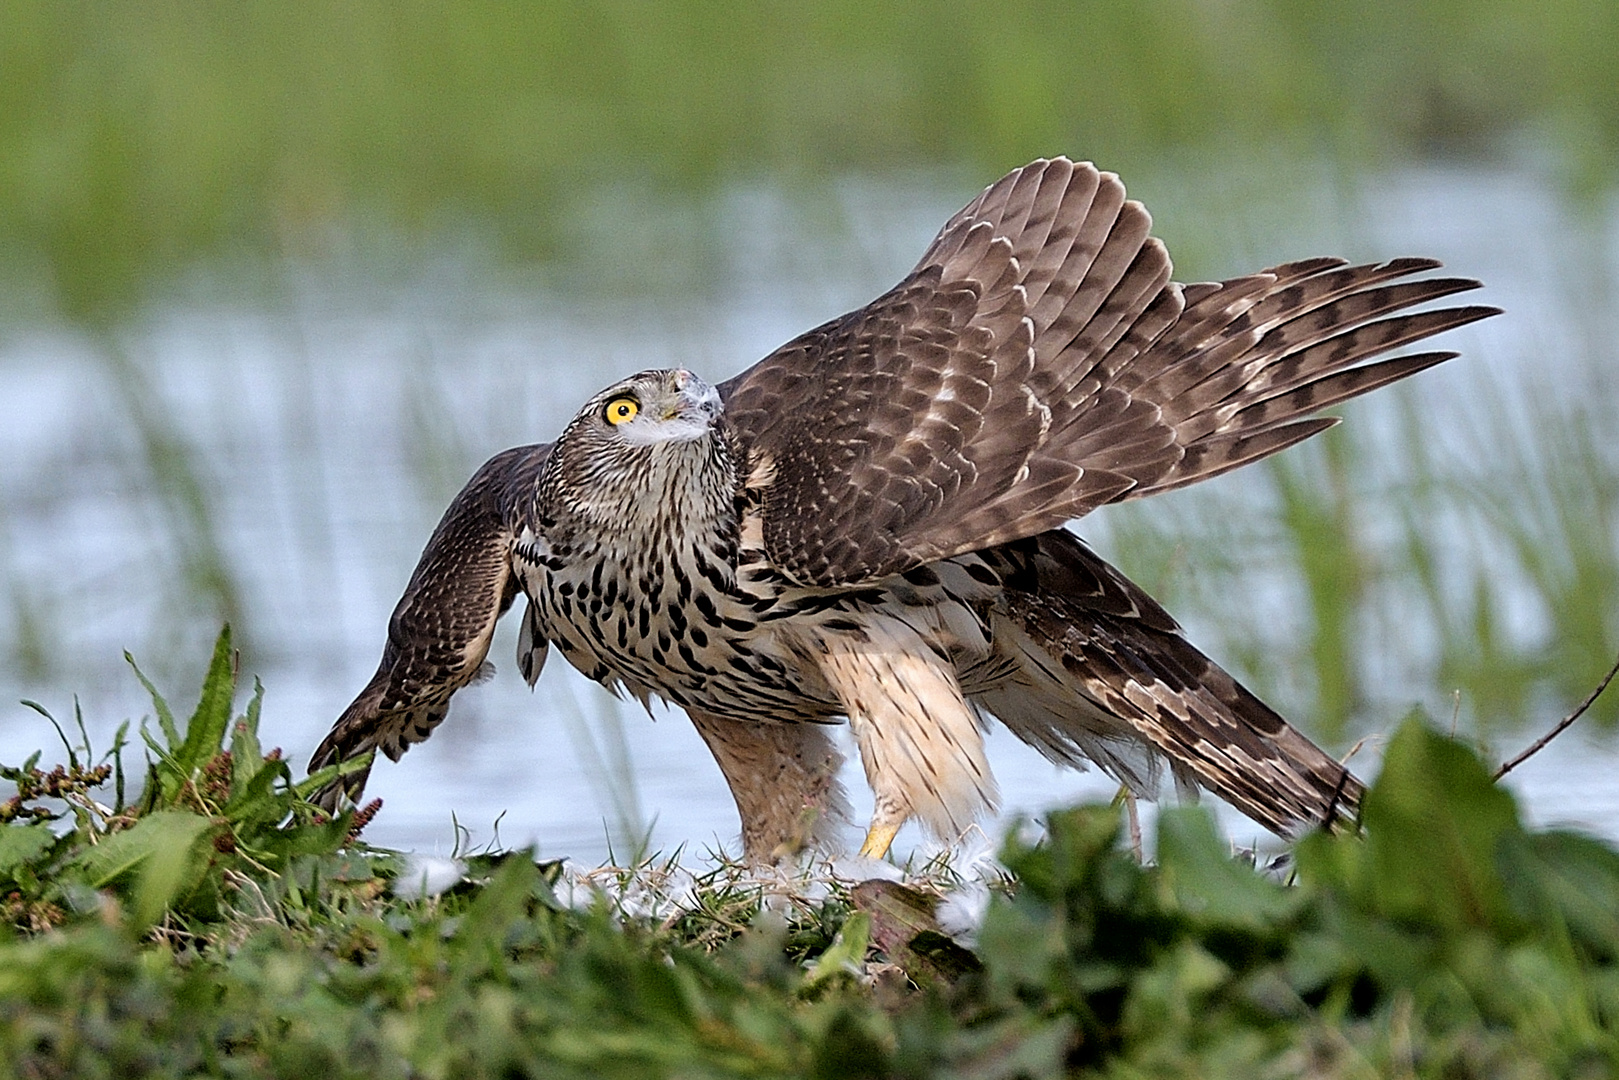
(139, 140)
(221, 926)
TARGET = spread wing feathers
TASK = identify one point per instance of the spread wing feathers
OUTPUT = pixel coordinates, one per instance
(440, 631)
(1037, 363)
(1237, 375)
(915, 428)
(1105, 675)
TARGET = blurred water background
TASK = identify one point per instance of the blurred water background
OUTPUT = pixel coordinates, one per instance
(275, 282)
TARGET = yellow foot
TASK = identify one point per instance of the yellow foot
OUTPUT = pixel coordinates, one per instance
(879, 838)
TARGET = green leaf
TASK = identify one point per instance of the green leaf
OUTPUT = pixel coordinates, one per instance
(21, 845)
(258, 801)
(503, 901)
(247, 758)
(160, 850)
(1019, 1046)
(120, 740)
(319, 779)
(293, 840)
(1196, 866)
(1435, 821)
(845, 956)
(72, 758)
(1562, 879)
(1079, 840)
(206, 730)
(1022, 943)
(164, 778)
(165, 717)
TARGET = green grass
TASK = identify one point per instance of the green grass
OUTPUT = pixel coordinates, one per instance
(219, 925)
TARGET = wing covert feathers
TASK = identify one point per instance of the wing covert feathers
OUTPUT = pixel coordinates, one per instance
(440, 631)
(1037, 363)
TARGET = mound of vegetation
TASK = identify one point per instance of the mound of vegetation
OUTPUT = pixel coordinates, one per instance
(221, 925)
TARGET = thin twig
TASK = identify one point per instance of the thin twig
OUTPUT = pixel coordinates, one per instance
(1353, 750)
(1541, 742)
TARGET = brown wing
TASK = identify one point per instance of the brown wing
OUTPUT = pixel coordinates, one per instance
(1037, 363)
(440, 631)
(1239, 372)
(1107, 668)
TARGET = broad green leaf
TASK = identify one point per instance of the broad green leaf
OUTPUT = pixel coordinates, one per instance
(1078, 841)
(21, 845)
(258, 801)
(1021, 941)
(159, 850)
(1563, 879)
(1196, 865)
(1435, 821)
(292, 840)
(172, 869)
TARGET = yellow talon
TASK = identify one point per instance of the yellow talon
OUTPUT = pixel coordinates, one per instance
(879, 838)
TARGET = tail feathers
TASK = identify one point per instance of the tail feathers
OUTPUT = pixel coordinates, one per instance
(1119, 685)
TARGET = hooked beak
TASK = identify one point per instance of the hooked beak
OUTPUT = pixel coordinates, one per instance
(695, 400)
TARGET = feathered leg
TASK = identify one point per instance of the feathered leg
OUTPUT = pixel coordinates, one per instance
(919, 740)
(784, 778)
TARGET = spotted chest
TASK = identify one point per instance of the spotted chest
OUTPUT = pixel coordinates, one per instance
(668, 619)
(663, 588)
(682, 621)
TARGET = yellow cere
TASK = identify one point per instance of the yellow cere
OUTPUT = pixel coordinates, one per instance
(622, 410)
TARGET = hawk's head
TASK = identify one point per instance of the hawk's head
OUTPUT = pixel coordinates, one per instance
(640, 449)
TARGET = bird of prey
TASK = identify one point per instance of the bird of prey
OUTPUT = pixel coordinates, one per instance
(867, 525)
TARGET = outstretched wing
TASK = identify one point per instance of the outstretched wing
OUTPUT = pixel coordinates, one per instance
(1037, 363)
(1104, 672)
(440, 631)
(1239, 372)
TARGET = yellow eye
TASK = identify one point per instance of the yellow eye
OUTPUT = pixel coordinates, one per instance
(622, 410)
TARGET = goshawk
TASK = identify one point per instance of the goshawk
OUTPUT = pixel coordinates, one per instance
(867, 525)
